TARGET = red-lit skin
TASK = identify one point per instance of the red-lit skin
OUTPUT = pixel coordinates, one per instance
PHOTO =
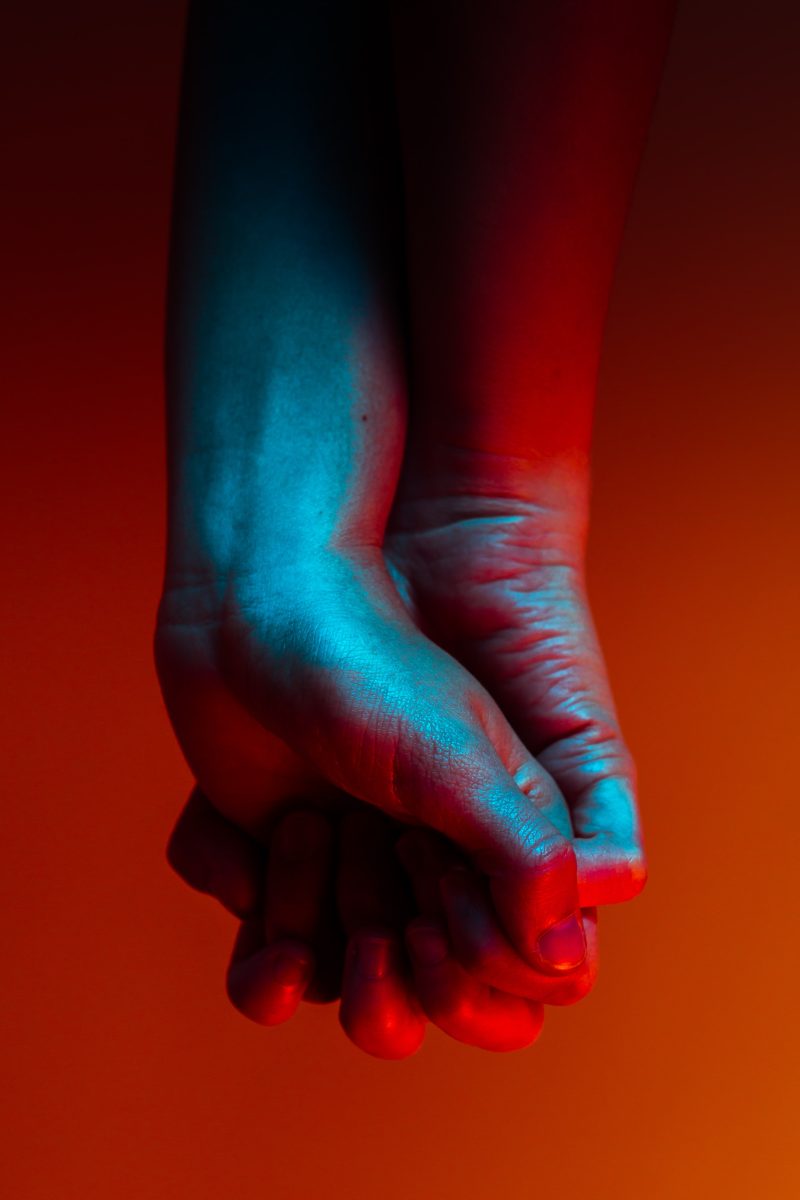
(338, 879)
(280, 623)
(516, 194)
(522, 129)
(350, 865)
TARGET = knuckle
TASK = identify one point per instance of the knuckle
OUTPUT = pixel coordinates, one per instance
(546, 851)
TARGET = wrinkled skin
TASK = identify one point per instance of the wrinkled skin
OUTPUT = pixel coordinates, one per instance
(491, 556)
(335, 669)
(497, 580)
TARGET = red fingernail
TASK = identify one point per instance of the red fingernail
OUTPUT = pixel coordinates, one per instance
(427, 944)
(291, 970)
(563, 946)
(374, 957)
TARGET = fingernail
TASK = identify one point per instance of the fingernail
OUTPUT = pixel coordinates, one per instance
(291, 970)
(374, 957)
(300, 836)
(427, 944)
(563, 946)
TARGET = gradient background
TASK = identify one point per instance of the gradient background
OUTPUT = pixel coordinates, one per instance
(128, 1075)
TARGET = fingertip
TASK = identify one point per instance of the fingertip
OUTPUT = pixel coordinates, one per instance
(538, 908)
(609, 872)
(637, 873)
(214, 857)
(572, 987)
(562, 946)
(267, 986)
(612, 866)
(378, 1011)
(464, 1009)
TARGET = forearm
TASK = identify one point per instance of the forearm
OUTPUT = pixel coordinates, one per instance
(523, 125)
(285, 392)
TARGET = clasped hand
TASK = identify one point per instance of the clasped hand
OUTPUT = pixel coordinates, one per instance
(388, 827)
(394, 235)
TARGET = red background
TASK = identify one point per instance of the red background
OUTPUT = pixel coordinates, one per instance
(128, 1074)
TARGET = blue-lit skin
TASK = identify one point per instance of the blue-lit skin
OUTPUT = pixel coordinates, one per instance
(281, 620)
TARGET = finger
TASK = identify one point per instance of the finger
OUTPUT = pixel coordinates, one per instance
(463, 1008)
(462, 904)
(483, 950)
(371, 889)
(267, 983)
(596, 772)
(553, 687)
(298, 875)
(417, 737)
(608, 841)
(426, 859)
(379, 1012)
(507, 826)
(461, 1004)
(380, 1015)
(299, 900)
(214, 856)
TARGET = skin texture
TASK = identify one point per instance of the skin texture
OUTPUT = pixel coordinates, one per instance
(345, 679)
(445, 671)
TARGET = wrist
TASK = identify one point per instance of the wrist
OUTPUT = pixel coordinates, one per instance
(282, 580)
(279, 504)
(448, 482)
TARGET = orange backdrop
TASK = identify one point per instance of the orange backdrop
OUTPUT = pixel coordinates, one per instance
(128, 1075)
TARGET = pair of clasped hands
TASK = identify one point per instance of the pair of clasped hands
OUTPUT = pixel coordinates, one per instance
(394, 234)
(412, 787)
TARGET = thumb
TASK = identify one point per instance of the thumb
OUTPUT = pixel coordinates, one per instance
(514, 831)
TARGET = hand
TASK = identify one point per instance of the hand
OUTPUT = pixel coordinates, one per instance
(429, 554)
(326, 659)
(489, 553)
(283, 952)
